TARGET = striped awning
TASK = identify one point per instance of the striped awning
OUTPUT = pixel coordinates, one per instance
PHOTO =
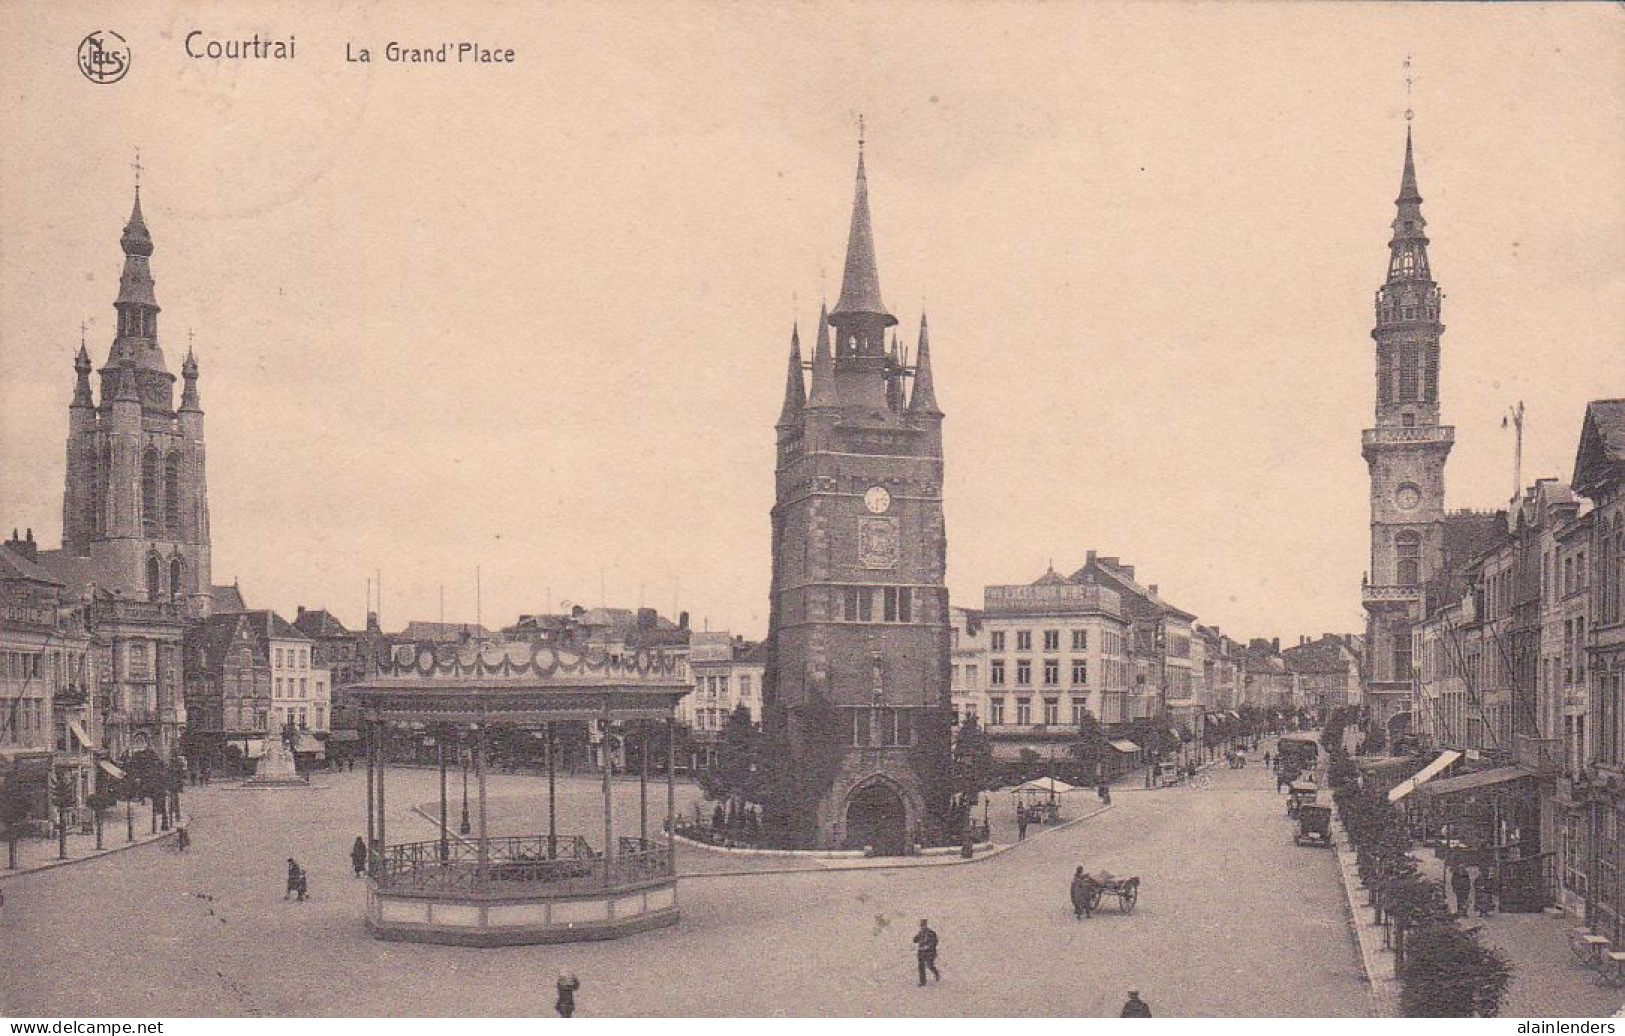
(111, 770)
(79, 734)
(1422, 776)
(1126, 747)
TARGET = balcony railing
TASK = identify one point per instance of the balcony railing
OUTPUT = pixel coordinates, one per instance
(1423, 434)
(520, 865)
(1390, 593)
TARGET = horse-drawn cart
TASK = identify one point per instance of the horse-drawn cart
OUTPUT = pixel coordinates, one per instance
(1088, 890)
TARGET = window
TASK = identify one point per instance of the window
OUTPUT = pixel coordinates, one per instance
(1052, 640)
(302, 687)
(1052, 672)
(302, 719)
(899, 604)
(744, 685)
(279, 658)
(1024, 712)
(1402, 651)
(1024, 672)
(1052, 712)
(970, 710)
(995, 712)
(151, 506)
(139, 661)
(1080, 672)
(995, 640)
(1409, 362)
(278, 682)
(1407, 420)
(1408, 551)
(1024, 640)
(175, 578)
(861, 727)
(172, 492)
(996, 673)
(859, 605)
(154, 580)
(1080, 640)
(970, 678)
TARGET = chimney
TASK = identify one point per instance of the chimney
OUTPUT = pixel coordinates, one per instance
(682, 620)
(301, 614)
(24, 547)
(1128, 571)
(1153, 589)
(1090, 558)
(646, 618)
(1275, 644)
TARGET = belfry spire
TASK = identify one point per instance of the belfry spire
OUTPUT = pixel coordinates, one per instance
(795, 390)
(822, 393)
(860, 282)
(923, 401)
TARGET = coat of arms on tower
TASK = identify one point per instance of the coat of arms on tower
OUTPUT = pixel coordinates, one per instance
(878, 542)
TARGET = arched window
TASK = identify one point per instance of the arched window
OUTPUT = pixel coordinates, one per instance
(154, 587)
(175, 577)
(150, 505)
(1402, 650)
(172, 493)
(1408, 558)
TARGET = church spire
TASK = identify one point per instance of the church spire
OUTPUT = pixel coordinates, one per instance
(795, 389)
(1407, 180)
(822, 393)
(923, 401)
(189, 400)
(860, 283)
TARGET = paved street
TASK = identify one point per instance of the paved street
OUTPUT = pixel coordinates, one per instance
(1233, 920)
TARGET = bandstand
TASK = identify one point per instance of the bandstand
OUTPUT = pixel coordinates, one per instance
(490, 888)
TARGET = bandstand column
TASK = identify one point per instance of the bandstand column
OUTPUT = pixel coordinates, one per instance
(372, 766)
(479, 773)
(383, 839)
(609, 762)
(671, 794)
(643, 784)
(440, 744)
(552, 812)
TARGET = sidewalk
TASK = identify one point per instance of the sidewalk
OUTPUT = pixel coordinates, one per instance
(1546, 982)
(39, 854)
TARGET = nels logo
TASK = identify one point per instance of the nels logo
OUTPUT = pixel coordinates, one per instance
(104, 57)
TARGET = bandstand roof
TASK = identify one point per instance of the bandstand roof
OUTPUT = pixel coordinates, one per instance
(518, 684)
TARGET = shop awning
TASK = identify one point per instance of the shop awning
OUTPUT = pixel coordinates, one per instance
(1427, 773)
(1474, 781)
(344, 735)
(305, 742)
(1126, 747)
(79, 734)
(1175, 731)
(1233, 715)
(111, 770)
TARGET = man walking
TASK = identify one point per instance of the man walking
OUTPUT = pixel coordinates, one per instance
(1135, 1007)
(1021, 822)
(565, 1005)
(925, 951)
(293, 878)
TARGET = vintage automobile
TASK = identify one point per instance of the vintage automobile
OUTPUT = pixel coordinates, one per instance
(1314, 825)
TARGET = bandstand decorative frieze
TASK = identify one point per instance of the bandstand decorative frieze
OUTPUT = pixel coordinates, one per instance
(520, 660)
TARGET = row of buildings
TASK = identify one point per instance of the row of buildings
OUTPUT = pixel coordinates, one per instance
(1036, 657)
(1518, 656)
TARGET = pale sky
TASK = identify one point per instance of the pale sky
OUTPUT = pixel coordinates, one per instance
(534, 318)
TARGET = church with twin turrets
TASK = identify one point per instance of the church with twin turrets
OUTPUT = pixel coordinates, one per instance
(856, 687)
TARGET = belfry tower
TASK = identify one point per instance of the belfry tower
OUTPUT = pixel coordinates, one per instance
(135, 501)
(855, 695)
(1405, 454)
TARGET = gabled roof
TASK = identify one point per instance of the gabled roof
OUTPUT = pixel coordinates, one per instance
(1600, 459)
(216, 634)
(1327, 655)
(228, 598)
(73, 571)
(272, 626)
(15, 567)
(437, 631)
(1117, 574)
(320, 623)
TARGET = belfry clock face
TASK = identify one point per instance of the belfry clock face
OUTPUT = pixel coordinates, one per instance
(1408, 497)
(877, 500)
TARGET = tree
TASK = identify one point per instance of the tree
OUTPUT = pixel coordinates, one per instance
(972, 766)
(62, 798)
(735, 776)
(1449, 973)
(100, 801)
(1090, 746)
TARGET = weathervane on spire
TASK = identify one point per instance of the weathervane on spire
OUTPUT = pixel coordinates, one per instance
(1409, 114)
(860, 133)
(136, 165)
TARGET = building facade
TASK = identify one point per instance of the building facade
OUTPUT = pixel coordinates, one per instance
(857, 675)
(1055, 650)
(727, 673)
(228, 694)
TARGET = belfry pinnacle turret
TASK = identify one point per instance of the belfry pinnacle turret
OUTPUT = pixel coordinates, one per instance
(795, 390)
(923, 400)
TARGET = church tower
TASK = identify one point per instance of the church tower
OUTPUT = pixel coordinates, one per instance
(855, 695)
(135, 500)
(1405, 454)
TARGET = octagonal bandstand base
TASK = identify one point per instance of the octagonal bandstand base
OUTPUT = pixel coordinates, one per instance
(465, 920)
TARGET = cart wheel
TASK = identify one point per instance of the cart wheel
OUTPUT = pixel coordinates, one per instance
(1095, 896)
(1128, 897)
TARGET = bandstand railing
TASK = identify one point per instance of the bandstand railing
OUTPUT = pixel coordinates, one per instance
(518, 865)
